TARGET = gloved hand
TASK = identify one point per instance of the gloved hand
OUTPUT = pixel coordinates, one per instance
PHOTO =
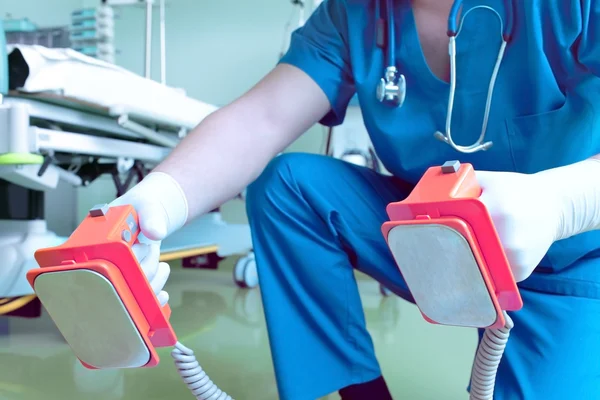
(162, 208)
(527, 212)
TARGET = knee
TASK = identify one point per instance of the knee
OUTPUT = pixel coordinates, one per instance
(276, 184)
(277, 176)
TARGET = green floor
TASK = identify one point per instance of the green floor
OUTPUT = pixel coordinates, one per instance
(225, 327)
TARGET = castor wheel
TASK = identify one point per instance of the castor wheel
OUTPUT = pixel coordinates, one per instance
(245, 274)
(385, 292)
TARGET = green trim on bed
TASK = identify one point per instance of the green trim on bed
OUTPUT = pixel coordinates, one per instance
(20, 158)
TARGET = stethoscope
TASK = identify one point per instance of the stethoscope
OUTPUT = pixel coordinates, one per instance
(391, 89)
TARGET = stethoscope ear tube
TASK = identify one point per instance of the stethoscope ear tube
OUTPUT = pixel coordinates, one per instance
(453, 17)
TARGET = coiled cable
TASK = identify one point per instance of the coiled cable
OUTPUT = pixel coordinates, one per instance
(483, 375)
(487, 361)
(194, 376)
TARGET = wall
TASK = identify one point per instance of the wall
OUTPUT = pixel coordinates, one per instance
(216, 50)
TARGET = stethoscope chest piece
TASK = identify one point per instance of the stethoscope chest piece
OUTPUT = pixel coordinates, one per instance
(392, 88)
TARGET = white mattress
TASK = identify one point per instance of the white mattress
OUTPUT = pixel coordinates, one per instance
(87, 79)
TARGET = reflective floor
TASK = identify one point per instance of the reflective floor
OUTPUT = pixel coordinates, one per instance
(225, 327)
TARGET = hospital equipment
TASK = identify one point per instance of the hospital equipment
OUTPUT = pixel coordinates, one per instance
(53, 37)
(391, 89)
(149, 4)
(101, 301)
(93, 33)
(101, 51)
(18, 25)
(72, 118)
(245, 272)
(447, 249)
(441, 236)
(201, 313)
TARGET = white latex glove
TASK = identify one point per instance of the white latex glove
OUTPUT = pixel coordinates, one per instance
(162, 208)
(526, 210)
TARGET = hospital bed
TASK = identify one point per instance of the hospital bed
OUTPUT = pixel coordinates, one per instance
(68, 117)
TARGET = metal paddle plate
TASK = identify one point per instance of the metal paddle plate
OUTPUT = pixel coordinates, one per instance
(442, 274)
(91, 316)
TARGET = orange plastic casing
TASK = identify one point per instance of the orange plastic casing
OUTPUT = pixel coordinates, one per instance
(99, 245)
(452, 199)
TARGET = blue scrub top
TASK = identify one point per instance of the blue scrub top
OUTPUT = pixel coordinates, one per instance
(545, 111)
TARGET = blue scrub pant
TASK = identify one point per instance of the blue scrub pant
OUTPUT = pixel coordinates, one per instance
(313, 220)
